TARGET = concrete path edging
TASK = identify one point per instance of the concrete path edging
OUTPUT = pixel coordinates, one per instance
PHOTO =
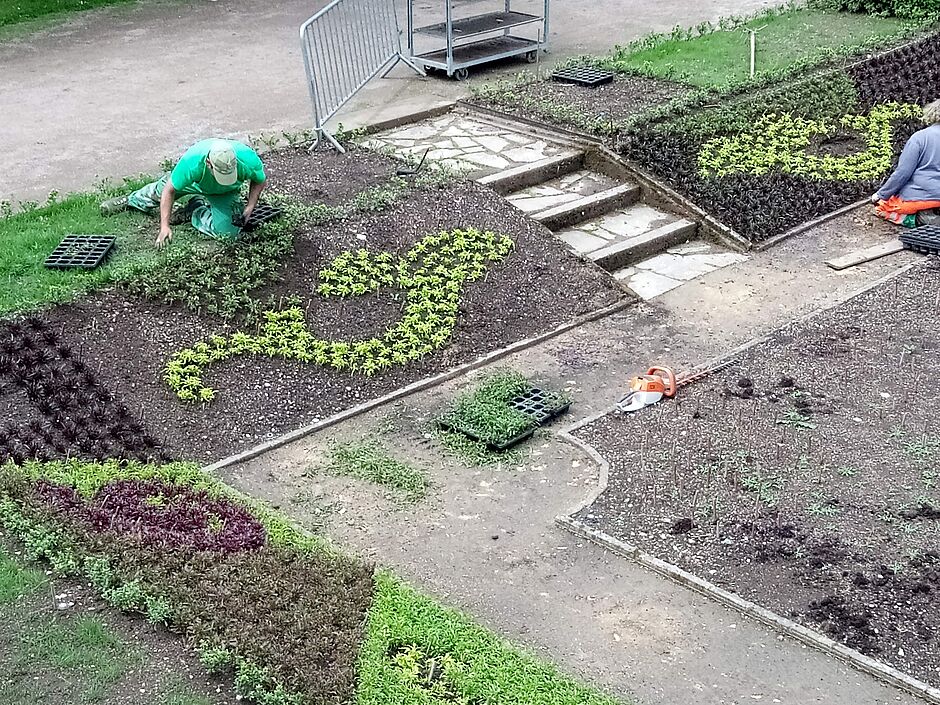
(418, 386)
(880, 670)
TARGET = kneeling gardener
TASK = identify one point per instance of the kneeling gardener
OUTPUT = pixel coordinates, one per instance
(212, 172)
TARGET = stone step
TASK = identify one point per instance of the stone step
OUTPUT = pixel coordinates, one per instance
(613, 227)
(588, 207)
(561, 190)
(620, 254)
(651, 277)
(527, 175)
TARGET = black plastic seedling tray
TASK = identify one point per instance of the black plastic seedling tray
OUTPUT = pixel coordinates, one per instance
(504, 444)
(583, 76)
(925, 239)
(80, 252)
(540, 406)
(262, 214)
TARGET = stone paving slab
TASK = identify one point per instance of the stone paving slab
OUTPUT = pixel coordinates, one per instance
(664, 272)
(615, 227)
(467, 144)
(561, 190)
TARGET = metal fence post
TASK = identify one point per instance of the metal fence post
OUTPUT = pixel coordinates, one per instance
(344, 46)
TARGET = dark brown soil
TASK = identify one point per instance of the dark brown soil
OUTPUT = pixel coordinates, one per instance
(609, 104)
(538, 287)
(327, 176)
(840, 144)
(806, 477)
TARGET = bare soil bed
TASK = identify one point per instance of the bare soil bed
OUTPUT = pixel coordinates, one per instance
(326, 176)
(573, 106)
(126, 341)
(805, 478)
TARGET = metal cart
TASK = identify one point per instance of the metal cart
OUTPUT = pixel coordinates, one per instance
(458, 54)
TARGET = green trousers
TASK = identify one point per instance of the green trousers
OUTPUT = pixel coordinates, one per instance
(212, 216)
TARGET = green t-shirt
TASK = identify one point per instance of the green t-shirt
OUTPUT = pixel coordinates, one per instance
(192, 173)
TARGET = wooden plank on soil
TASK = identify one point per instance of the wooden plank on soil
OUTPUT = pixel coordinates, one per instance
(867, 255)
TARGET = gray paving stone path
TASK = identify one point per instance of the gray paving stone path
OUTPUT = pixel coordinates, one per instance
(656, 275)
(560, 191)
(466, 143)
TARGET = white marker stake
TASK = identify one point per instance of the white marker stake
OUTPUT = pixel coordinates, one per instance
(753, 33)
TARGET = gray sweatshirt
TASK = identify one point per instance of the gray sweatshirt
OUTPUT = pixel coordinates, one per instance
(917, 177)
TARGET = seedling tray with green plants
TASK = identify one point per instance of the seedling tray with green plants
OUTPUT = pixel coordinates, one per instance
(80, 252)
(503, 411)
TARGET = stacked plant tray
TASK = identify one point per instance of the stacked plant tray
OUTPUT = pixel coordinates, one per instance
(583, 76)
(262, 214)
(925, 239)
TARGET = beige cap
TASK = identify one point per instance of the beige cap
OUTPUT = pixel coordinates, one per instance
(223, 163)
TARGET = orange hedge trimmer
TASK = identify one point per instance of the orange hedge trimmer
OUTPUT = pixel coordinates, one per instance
(659, 382)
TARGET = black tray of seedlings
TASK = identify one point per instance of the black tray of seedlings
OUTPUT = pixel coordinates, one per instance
(925, 239)
(73, 415)
(263, 213)
(583, 76)
(500, 445)
(540, 406)
(80, 252)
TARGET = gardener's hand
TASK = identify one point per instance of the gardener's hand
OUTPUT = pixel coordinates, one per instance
(246, 214)
(875, 198)
(165, 236)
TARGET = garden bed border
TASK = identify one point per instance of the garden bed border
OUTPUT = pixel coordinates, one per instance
(886, 673)
(418, 386)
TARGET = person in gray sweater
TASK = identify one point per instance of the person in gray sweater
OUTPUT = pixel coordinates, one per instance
(912, 193)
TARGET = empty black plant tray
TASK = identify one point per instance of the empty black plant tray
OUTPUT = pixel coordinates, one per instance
(925, 239)
(540, 405)
(80, 252)
(262, 214)
(583, 76)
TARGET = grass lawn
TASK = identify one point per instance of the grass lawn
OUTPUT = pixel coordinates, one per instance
(28, 237)
(46, 656)
(723, 56)
(16, 11)
(15, 580)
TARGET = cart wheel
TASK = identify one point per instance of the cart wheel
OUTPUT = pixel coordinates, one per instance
(532, 56)
(462, 74)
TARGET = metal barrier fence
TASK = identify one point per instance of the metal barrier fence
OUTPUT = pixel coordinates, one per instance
(345, 45)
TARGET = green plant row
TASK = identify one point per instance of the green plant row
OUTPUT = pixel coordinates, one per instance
(432, 275)
(916, 9)
(522, 92)
(780, 143)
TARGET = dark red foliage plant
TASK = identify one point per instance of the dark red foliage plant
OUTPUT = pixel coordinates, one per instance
(160, 514)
